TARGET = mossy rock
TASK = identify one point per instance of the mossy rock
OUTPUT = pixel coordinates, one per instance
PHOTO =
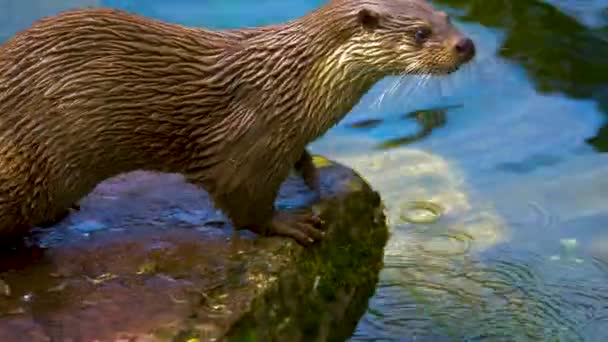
(148, 258)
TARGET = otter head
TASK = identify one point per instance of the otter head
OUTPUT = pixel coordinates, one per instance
(398, 37)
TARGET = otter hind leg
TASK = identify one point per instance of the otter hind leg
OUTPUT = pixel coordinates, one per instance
(59, 217)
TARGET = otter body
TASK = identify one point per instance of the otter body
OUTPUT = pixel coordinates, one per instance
(92, 93)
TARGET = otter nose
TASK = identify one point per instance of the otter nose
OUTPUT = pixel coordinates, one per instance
(465, 48)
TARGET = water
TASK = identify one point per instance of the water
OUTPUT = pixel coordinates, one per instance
(505, 162)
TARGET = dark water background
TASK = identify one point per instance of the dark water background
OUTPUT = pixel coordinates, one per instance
(511, 150)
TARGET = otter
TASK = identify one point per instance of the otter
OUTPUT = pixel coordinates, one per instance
(88, 94)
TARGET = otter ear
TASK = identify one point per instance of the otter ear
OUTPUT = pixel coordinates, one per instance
(368, 18)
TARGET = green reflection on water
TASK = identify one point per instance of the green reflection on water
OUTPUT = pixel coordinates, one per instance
(559, 53)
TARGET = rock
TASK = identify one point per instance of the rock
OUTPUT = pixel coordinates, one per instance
(148, 258)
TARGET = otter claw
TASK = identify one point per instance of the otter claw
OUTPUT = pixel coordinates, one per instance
(303, 227)
(314, 220)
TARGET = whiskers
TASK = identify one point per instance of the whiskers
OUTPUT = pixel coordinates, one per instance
(405, 86)
(412, 88)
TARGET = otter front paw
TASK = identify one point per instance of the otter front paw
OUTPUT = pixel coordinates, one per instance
(302, 226)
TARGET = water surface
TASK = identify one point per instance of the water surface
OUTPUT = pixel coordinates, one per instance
(495, 178)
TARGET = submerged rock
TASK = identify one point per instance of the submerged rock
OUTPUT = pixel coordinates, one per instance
(148, 258)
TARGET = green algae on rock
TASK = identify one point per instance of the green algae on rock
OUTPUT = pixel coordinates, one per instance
(161, 264)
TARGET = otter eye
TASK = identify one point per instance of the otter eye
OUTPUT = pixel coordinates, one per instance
(422, 35)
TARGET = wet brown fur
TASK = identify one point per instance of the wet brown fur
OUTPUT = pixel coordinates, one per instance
(92, 93)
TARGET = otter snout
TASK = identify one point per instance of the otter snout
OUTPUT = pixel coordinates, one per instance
(465, 48)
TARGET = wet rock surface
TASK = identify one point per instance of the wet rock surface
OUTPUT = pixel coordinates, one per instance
(148, 258)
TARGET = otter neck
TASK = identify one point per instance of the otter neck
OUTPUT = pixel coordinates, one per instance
(298, 76)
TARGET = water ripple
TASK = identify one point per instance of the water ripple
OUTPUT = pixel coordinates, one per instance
(424, 294)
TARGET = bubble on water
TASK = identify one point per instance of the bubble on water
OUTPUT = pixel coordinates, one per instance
(420, 212)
